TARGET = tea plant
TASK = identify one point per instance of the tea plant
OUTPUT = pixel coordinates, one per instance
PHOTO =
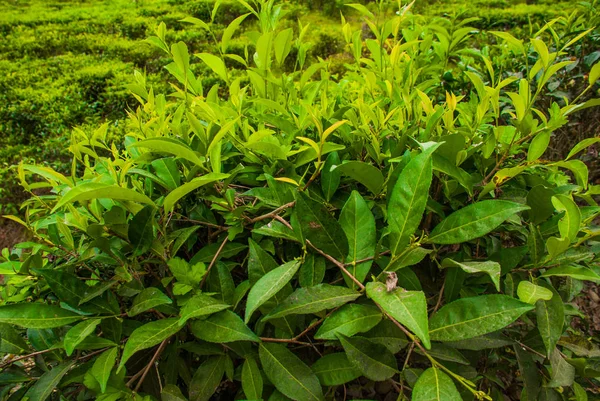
(392, 232)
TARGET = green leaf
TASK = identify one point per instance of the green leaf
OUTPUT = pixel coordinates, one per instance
(259, 262)
(207, 378)
(389, 335)
(186, 274)
(473, 221)
(312, 300)
(252, 382)
(435, 385)
(563, 373)
(148, 299)
(475, 316)
(408, 200)
(330, 176)
(573, 271)
(180, 192)
(37, 316)
(11, 341)
(181, 56)
(229, 31)
(583, 144)
(141, 230)
(365, 173)
(223, 327)
(312, 271)
(335, 369)
(46, 384)
(172, 393)
(407, 307)
(569, 225)
(579, 170)
(170, 146)
(529, 372)
(97, 190)
(166, 170)
(374, 360)
(148, 335)
(531, 293)
(349, 320)
(200, 305)
(103, 366)
(594, 74)
(283, 44)
(215, 64)
(78, 333)
(269, 285)
(550, 319)
(289, 374)
(580, 393)
(320, 228)
(490, 268)
(358, 224)
(538, 146)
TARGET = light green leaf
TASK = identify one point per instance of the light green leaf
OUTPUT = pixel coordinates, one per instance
(594, 74)
(583, 144)
(335, 369)
(103, 366)
(531, 293)
(349, 320)
(365, 173)
(252, 382)
(215, 64)
(407, 307)
(289, 374)
(573, 271)
(230, 30)
(320, 228)
(408, 200)
(269, 285)
(313, 300)
(46, 384)
(78, 333)
(538, 146)
(358, 224)
(569, 225)
(223, 327)
(37, 316)
(200, 305)
(474, 221)
(283, 44)
(148, 299)
(170, 146)
(148, 335)
(435, 385)
(180, 192)
(330, 176)
(374, 360)
(207, 378)
(97, 190)
(490, 268)
(475, 316)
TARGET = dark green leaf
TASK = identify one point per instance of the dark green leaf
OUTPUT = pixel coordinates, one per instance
(78, 333)
(330, 176)
(148, 299)
(350, 319)
(435, 385)
(358, 224)
(472, 317)
(207, 378)
(550, 318)
(252, 381)
(36, 316)
(312, 271)
(474, 221)
(46, 384)
(312, 300)
(365, 173)
(200, 305)
(289, 374)
(141, 230)
(223, 327)
(259, 262)
(11, 341)
(320, 228)
(335, 369)
(407, 307)
(374, 360)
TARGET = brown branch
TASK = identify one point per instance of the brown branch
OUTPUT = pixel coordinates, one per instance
(367, 259)
(272, 214)
(315, 324)
(284, 340)
(212, 262)
(20, 358)
(161, 347)
(283, 221)
(339, 264)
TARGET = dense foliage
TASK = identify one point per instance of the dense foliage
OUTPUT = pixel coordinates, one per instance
(388, 230)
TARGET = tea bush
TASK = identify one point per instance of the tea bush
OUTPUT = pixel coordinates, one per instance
(393, 231)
